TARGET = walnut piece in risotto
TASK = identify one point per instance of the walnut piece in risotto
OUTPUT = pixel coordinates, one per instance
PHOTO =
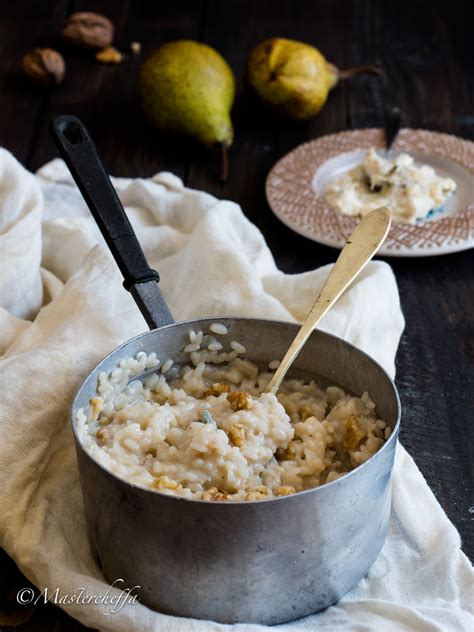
(216, 390)
(239, 400)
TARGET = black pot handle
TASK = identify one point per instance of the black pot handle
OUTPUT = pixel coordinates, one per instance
(80, 155)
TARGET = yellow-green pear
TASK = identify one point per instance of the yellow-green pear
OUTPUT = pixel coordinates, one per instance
(294, 78)
(187, 87)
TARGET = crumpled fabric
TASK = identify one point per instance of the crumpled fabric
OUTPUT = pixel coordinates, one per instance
(63, 308)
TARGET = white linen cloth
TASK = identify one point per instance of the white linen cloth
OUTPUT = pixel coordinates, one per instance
(62, 308)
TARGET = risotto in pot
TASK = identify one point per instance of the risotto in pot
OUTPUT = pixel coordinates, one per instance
(208, 431)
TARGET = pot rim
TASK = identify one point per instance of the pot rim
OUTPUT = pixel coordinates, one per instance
(392, 438)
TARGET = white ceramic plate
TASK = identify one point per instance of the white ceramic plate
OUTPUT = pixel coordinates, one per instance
(296, 184)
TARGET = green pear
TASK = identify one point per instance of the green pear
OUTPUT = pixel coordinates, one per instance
(188, 88)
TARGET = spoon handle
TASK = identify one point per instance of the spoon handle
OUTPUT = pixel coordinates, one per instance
(80, 155)
(361, 246)
(393, 122)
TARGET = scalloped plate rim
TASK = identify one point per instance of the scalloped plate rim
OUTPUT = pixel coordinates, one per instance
(458, 245)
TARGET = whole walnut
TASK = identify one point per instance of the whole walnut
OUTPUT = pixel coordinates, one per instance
(88, 30)
(45, 66)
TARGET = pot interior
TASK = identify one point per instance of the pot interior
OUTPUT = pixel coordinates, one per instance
(325, 358)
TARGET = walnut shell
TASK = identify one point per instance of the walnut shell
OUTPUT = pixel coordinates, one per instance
(45, 66)
(88, 30)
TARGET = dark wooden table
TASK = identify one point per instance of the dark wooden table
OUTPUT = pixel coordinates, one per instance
(425, 49)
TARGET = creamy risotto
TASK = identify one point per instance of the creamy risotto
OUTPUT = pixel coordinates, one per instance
(410, 191)
(209, 431)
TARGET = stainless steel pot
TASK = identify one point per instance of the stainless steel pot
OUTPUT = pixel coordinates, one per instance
(264, 561)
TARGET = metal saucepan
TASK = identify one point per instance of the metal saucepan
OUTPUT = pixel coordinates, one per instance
(264, 561)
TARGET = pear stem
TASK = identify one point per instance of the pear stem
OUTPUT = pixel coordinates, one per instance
(356, 70)
(224, 163)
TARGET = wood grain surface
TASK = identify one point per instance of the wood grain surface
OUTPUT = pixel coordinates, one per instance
(425, 48)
